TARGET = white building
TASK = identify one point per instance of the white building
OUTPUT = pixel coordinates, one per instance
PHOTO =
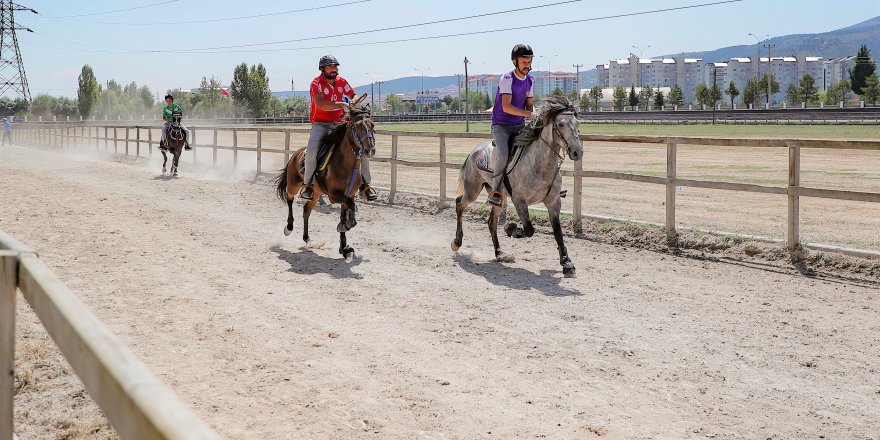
(836, 70)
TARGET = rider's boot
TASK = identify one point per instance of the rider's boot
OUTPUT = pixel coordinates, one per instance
(186, 145)
(162, 146)
(369, 193)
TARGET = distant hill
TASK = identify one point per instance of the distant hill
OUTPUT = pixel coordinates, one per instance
(833, 44)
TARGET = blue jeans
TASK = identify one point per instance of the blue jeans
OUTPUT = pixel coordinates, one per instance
(502, 135)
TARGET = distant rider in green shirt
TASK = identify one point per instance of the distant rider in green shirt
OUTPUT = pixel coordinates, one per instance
(167, 113)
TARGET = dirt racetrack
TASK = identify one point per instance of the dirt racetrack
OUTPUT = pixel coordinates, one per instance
(267, 339)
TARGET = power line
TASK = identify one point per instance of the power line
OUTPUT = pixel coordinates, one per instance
(460, 34)
(214, 20)
(426, 23)
(115, 11)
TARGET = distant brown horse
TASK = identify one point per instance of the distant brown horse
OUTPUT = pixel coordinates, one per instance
(341, 181)
(174, 141)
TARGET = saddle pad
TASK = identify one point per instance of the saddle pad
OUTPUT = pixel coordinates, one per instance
(483, 158)
(324, 156)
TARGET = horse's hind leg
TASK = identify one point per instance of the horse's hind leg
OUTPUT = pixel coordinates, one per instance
(289, 228)
(568, 269)
(307, 212)
(471, 192)
(493, 229)
(164, 161)
(175, 163)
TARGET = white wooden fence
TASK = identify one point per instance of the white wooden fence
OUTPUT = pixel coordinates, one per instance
(136, 403)
(100, 136)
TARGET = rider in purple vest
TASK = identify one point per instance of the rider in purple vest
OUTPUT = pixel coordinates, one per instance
(514, 101)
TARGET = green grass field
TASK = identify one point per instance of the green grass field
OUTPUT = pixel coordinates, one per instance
(707, 130)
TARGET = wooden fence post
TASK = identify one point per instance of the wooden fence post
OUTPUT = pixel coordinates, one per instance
(192, 144)
(127, 129)
(577, 208)
(150, 142)
(8, 286)
(794, 182)
(259, 152)
(394, 139)
(137, 143)
(234, 148)
(671, 167)
(442, 169)
(115, 140)
(214, 144)
(286, 146)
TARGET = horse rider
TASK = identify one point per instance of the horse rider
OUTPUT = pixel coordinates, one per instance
(514, 101)
(7, 131)
(167, 114)
(329, 92)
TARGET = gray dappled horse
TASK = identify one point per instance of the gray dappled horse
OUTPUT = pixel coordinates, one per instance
(532, 177)
(174, 142)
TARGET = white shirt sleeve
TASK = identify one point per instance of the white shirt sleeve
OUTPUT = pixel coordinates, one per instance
(531, 89)
(505, 85)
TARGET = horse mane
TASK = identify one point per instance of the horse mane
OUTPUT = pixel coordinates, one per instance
(337, 132)
(552, 107)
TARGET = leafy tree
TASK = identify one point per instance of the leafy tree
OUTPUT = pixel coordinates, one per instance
(297, 105)
(250, 89)
(394, 102)
(676, 95)
(715, 95)
(619, 97)
(659, 101)
(863, 68)
(732, 91)
(595, 96)
(584, 101)
(702, 94)
(871, 90)
(146, 97)
(633, 98)
(276, 107)
(645, 96)
(88, 93)
(447, 99)
(557, 92)
(774, 86)
(42, 105)
(837, 93)
(209, 101)
(793, 95)
(9, 107)
(752, 92)
(807, 92)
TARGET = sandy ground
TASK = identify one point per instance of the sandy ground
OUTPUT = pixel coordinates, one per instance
(268, 339)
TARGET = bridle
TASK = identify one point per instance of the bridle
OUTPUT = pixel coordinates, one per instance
(359, 141)
(554, 145)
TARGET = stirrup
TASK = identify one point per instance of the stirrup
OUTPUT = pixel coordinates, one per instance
(307, 193)
(369, 193)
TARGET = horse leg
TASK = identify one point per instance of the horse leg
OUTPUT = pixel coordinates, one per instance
(175, 162)
(493, 229)
(471, 190)
(164, 161)
(289, 228)
(346, 218)
(527, 230)
(568, 269)
(307, 212)
(344, 249)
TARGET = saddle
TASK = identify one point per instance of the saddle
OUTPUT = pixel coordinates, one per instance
(175, 133)
(484, 156)
(325, 153)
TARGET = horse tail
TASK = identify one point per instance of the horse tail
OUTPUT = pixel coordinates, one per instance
(460, 191)
(281, 183)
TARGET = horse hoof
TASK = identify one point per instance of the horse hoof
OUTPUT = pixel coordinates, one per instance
(568, 271)
(455, 246)
(348, 254)
(287, 231)
(510, 229)
(505, 258)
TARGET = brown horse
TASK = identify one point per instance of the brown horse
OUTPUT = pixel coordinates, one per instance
(353, 140)
(174, 142)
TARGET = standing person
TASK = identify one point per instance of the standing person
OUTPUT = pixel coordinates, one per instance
(329, 93)
(7, 131)
(514, 101)
(167, 114)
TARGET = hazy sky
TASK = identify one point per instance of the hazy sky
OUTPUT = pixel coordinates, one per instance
(139, 44)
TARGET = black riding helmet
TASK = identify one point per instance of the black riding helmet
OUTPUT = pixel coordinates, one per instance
(521, 50)
(327, 60)
(169, 97)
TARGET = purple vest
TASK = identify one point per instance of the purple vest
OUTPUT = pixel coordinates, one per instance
(519, 90)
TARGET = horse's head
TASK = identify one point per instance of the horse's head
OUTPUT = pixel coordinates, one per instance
(176, 115)
(560, 113)
(361, 128)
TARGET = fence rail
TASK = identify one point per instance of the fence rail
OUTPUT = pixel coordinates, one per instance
(136, 403)
(68, 135)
